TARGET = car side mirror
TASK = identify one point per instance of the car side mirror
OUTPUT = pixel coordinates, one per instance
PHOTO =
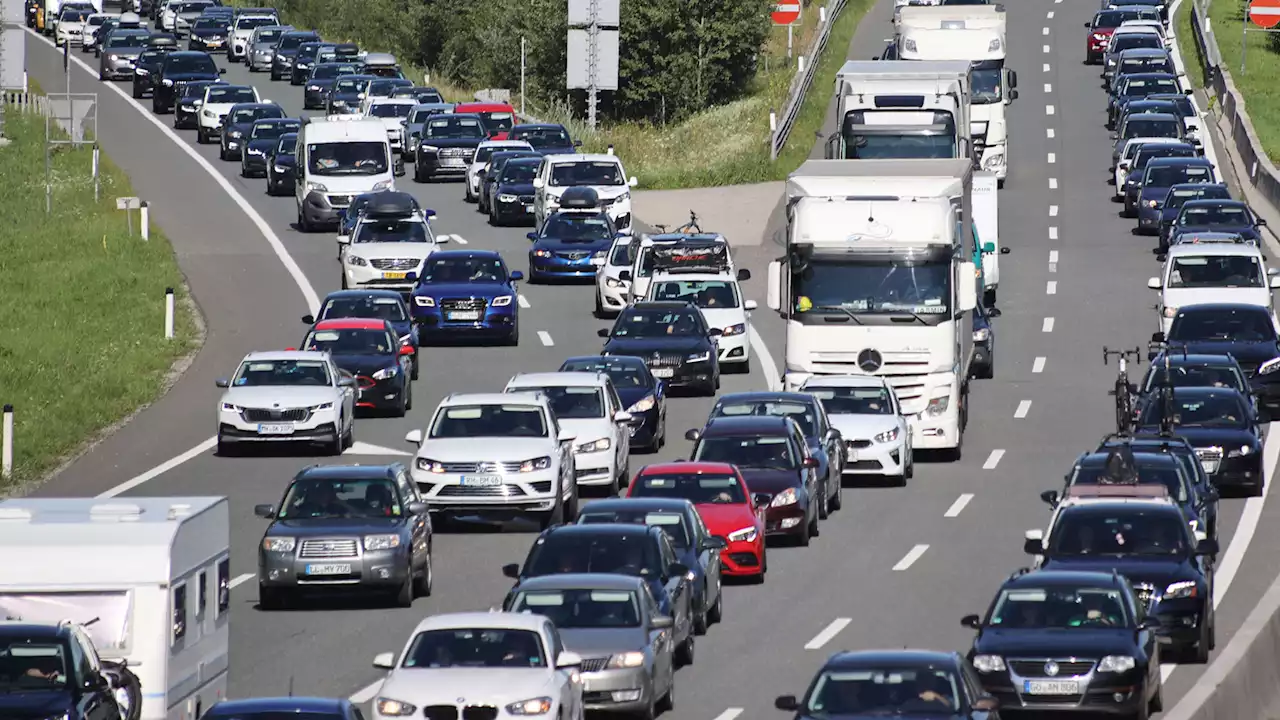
(1154, 283)
(986, 703)
(602, 332)
(347, 382)
(744, 274)
(222, 71)
(1088, 25)
(568, 659)
(511, 570)
(714, 332)
(1033, 542)
(994, 312)
(308, 319)
(538, 183)
(1261, 222)
(1161, 257)
(222, 383)
(1273, 282)
(972, 621)
(406, 350)
(567, 436)
(761, 499)
(715, 542)
(988, 247)
(1115, 136)
(532, 235)
(1208, 546)
(677, 569)
(693, 435)
(417, 507)
(622, 416)
(633, 182)
(517, 275)
(264, 511)
(661, 622)
(1050, 498)
(1212, 495)
(1013, 95)
(1157, 337)
(625, 276)
(385, 661)
(750, 305)
(413, 437)
(788, 703)
(810, 463)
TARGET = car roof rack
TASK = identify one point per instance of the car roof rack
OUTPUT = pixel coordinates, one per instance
(1137, 491)
(1212, 237)
(691, 256)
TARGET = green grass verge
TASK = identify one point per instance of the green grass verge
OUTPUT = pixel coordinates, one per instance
(83, 303)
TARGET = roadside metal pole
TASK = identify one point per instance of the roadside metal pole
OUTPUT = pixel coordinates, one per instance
(593, 50)
(1244, 41)
(6, 452)
(523, 67)
(790, 37)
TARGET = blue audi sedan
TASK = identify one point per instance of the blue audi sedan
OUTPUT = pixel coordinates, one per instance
(467, 295)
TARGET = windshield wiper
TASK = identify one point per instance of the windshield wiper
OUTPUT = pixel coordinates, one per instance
(840, 309)
(913, 315)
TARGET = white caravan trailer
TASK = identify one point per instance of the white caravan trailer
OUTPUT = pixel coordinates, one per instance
(155, 573)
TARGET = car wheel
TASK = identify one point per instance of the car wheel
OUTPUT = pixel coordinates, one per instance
(136, 92)
(700, 619)
(349, 437)
(667, 702)
(806, 533)
(225, 449)
(244, 170)
(417, 175)
(554, 517)
(837, 500)
(408, 396)
(599, 311)
(201, 138)
(427, 580)
(513, 339)
(404, 594)
(1157, 700)
(814, 528)
(716, 613)
(686, 652)
(824, 509)
(413, 374)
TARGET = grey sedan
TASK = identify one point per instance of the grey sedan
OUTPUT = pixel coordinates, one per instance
(613, 623)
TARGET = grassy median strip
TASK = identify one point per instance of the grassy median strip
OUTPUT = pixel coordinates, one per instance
(82, 308)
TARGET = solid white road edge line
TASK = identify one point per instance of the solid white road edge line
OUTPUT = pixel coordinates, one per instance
(911, 557)
(241, 579)
(827, 633)
(958, 506)
(161, 469)
(767, 365)
(993, 459)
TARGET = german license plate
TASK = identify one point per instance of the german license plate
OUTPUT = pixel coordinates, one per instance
(275, 429)
(465, 315)
(851, 456)
(481, 480)
(394, 275)
(330, 569)
(451, 161)
(663, 372)
(528, 208)
(1051, 687)
(1210, 466)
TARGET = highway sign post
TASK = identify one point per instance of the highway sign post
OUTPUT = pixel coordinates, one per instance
(1263, 13)
(787, 12)
(592, 58)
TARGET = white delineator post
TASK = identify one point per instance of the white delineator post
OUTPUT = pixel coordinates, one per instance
(168, 313)
(145, 213)
(6, 451)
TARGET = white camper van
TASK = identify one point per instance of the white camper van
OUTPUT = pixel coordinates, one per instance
(149, 578)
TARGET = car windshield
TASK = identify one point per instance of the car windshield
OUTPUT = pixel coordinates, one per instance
(383, 88)
(1171, 150)
(698, 488)
(853, 400)
(586, 173)
(1145, 126)
(1128, 532)
(671, 523)
(517, 173)
(1059, 608)
(268, 37)
(349, 85)
(348, 158)
(1142, 87)
(290, 42)
(190, 64)
(1178, 198)
(1224, 376)
(622, 253)
(126, 40)
(1145, 64)
(151, 57)
(582, 402)
(211, 23)
(31, 665)
(1113, 18)
(288, 143)
(645, 323)
(96, 19)
(1213, 409)
(573, 227)
(760, 452)
(497, 120)
(1148, 474)
(421, 115)
(271, 131)
(582, 608)
(1222, 325)
(394, 230)
(351, 342)
(378, 308)
(1163, 176)
(706, 294)
(454, 128)
(390, 110)
(476, 648)
(256, 373)
(248, 116)
(193, 7)
(571, 552)
(328, 72)
(1215, 215)
(230, 94)
(1129, 41)
(623, 374)
(892, 286)
(1216, 271)
(887, 691)
(73, 16)
(250, 23)
(541, 137)
(801, 413)
(985, 83)
(469, 421)
(464, 270)
(317, 498)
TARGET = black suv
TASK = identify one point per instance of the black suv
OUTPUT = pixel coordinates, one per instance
(52, 671)
(286, 48)
(1058, 640)
(178, 67)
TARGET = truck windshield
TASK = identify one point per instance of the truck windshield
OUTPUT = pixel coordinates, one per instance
(348, 158)
(890, 146)
(874, 287)
(985, 84)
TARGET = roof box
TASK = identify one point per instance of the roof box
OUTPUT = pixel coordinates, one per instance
(691, 256)
(580, 198)
(392, 204)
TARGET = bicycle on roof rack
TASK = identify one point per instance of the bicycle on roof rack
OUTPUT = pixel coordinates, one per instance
(688, 228)
(1123, 390)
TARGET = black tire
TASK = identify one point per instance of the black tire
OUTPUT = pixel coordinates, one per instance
(225, 449)
(413, 375)
(824, 509)
(806, 535)
(408, 394)
(686, 653)
(716, 613)
(1157, 700)
(426, 581)
(667, 702)
(814, 528)
(988, 371)
(403, 596)
(122, 678)
(837, 500)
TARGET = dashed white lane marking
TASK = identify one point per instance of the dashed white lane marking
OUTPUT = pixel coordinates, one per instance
(1049, 133)
(1053, 257)
(365, 694)
(1051, 287)
(1049, 15)
(241, 579)
(910, 558)
(993, 459)
(1038, 365)
(1046, 67)
(1048, 87)
(545, 337)
(827, 633)
(958, 506)
(1024, 407)
(523, 301)
(459, 239)
(1053, 232)
(1053, 158)
(729, 714)
(1047, 325)
(1044, 31)
(1053, 183)
(1053, 211)
(1048, 110)
(1046, 48)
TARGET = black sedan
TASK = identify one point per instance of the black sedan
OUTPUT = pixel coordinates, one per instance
(315, 91)
(367, 522)
(370, 350)
(644, 395)
(447, 146)
(1245, 332)
(305, 59)
(1057, 640)
(208, 34)
(239, 123)
(1232, 216)
(177, 68)
(344, 95)
(190, 98)
(512, 199)
(145, 70)
(674, 339)
(260, 141)
(1182, 194)
(286, 47)
(546, 138)
(386, 305)
(489, 178)
(281, 161)
(1221, 424)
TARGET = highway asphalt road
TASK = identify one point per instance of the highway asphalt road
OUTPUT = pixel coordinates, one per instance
(896, 567)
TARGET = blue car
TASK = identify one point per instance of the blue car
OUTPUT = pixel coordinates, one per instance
(467, 294)
(570, 245)
(1182, 194)
(1138, 169)
(643, 395)
(1162, 174)
(386, 305)
(281, 161)
(239, 124)
(1228, 216)
(511, 200)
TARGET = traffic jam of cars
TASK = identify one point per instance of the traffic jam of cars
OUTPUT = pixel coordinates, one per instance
(614, 592)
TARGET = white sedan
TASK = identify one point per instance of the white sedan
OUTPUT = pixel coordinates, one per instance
(865, 409)
(287, 396)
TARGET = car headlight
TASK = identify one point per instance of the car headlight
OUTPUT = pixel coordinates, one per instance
(321, 406)
(988, 663)
(423, 301)
(140, 71)
(384, 185)
(746, 534)
(644, 404)
(785, 498)
(281, 169)
(395, 708)
(356, 260)
(501, 301)
(532, 706)
(888, 435)
(429, 465)
(386, 373)
(255, 151)
(428, 148)
(237, 134)
(982, 335)
(1240, 451)
(993, 161)
(381, 542)
(540, 463)
(614, 283)
(625, 660)
(594, 446)
(313, 88)
(1183, 589)
(209, 114)
(542, 253)
(938, 405)
(1152, 203)
(1170, 311)
(738, 329)
(1269, 366)
(166, 82)
(1116, 664)
(279, 544)
(699, 357)
(228, 407)
(508, 198)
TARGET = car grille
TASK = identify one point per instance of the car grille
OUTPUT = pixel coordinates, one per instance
(659, 360)
(541, 487)
(464, 304)
(491, 491)
(440, 712)
(265, 415)
(744, 559)
(864, 465)
(1210, 458)
(479, 712)
(395, 263)
(573, 255)
(481, 467)
(858, 443)
(526, 199)
(339, 201)
(1146, 594)
(468, 153)
(324, 549)
(594, 664)
(1035, 668)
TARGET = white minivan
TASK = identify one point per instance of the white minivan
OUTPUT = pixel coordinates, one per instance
(336, 161)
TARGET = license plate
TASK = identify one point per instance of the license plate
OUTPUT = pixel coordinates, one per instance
(394, 275)
(851, 456)
(275, 429)
(451, 161)
(663, 372)
(528, 208)
(1051, 687)
(465, 315)
(481, 480)
(1210, 466)
(329, 569)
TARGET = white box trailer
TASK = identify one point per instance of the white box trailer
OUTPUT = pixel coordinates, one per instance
(149, 576)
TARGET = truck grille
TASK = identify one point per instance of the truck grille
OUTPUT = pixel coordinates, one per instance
(463, 304)
(325, 549)
(491, 491)
(481, 467)
(1035, 668)
(264, 415)
(339, 201)
(594, 664)
(395, 263)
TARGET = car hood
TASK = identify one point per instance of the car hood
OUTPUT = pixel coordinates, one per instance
(263, 144)
(588, 429)
(286, 160)
(330, 527)
(320, 83)
(479, 290)
(557, 245)
(632, 395)
(286, 53)
(1182, 297)
(393, 250)
(180, 77)
(1214, 437)
(1055, 642)
(278, 396)
(365, 364)
(218, 108)
(36, 704)
(600, 642)
(209, 32)
(1158, 572)
(452, 142)
(1246, 353)
(770, 481)
(645, 347)
(351, 184)
(722, 519)
(604, 192)
(470, 686)
(241, 127)
(521, 188)
(722, 319)
(124, 52)
(863, 427)
(1151, 192)
(506, 449)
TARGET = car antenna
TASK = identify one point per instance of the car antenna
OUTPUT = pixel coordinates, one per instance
(290, 686)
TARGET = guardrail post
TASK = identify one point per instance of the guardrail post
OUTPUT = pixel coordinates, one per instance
(145, 222)
(800, 65)
(773, 135)
(168, 313)
(6, 452)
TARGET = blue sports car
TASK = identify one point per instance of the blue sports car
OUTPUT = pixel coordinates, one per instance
(467, 294)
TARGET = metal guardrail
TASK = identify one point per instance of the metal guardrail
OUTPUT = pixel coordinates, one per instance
(802, 81)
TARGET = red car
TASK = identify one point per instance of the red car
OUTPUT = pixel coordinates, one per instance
(498, 118)
(724, 502)
(1104, 24)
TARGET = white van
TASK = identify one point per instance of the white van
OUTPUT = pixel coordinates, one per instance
(337, 160)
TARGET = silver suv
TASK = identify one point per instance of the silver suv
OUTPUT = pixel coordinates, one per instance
(261, 51)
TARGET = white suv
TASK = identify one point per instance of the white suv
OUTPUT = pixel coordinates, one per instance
(1197, 273)
(217, 101)
(612, 292)
(587, 405)
(602, 173)
(287, 396)
(716, 292)
(387, 251)
(497, 455)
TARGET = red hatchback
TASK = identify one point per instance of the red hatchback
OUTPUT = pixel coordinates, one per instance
(498, 118)
(1104, 25)
(725, 504)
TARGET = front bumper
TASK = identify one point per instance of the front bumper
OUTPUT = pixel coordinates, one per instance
(644, 427)
(362, 276)
(320, 210)
(507, 208)
(614, 293)
(185, 115)
(743, 559)
(937, 431)
(381, 394)
(249, 432)
(496, 322)
(118, 69)
(1240, 471)
(209, 45)
(595, 468)
(314, 99)
(255, 164)
(380, 569)
(786, 521)
(260, 61)
(431, 165)
(685, 374)
(623, 690)
(868, 457)
(1099, 696)
(1180, 621)
(232, 146)
(555, 267)
(519, 494)
(1148, 218)
(733, 349)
